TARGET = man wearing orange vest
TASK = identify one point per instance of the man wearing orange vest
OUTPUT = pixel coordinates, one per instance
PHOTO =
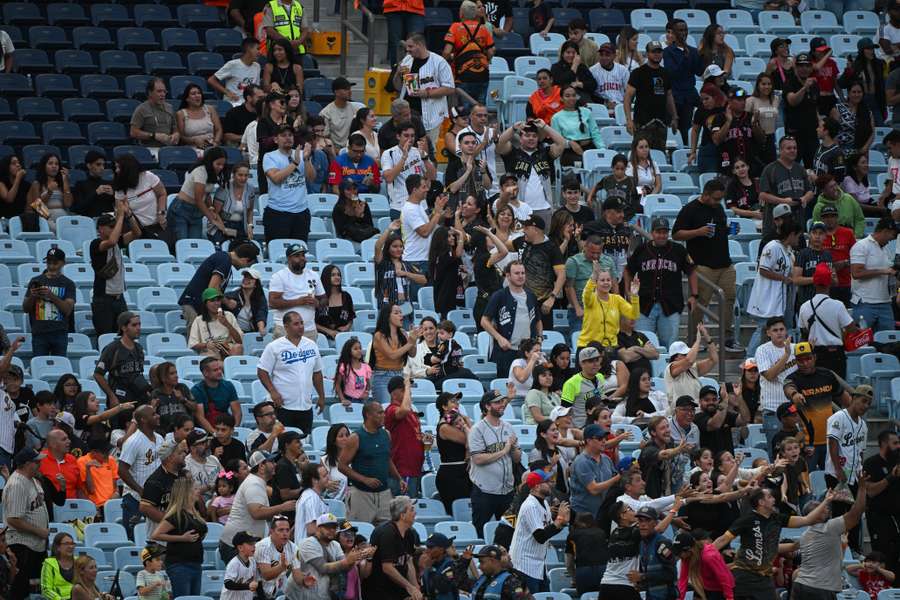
(283, 19)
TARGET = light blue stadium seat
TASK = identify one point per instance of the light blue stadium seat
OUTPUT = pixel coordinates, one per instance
(736, 21)
(379, 205)
(103, 563)
(430, 512)
(336, 251)
(61, 527)
(5, 276)
(463, 319)
(105, 580)
(167, 345)
(241, 368)
(697, 20)
(138, 275)
(426, 298)
(544, 46)
(747, 68)
(82, 275)
(616, 137)
(16, 232)
(15, 251)
(844, 45)
(157, 299)
(820, 22)
(351, 415)
(175, 274)
(513, 98)
(680, 184)
(106, 536)
(149, 251)
(42, 246)
(649, 20)
(50, 368)
(777, 22)
(360, 274)
(878, 369)
(128, 559)
(319, 438)
(422, 390)
(528, 66)
(193, 251)
(861, 22)
(277, 249)
(758, 45)
(661, 202)
(26, 271)
(321, 205)
(344, 336)
(188, 367)
(212, 582)
(76, 229)
(736, 251)
(471, 389)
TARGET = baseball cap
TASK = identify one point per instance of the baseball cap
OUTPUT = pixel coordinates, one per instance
(750, 363)
(803, 58)
(737, 92)
(151, 552)
(653, 46)
(347, 526)
(196, 437)
(396, 383)
(341, 83)
(491, 396)
(167, 449)
(439, 540)
(534, 220)
(822, 275)
(535, 478)
(295, 249)
(559, 411)
(707, 389)
(817, 225)
(802, 349)
(211, 294)
(66, 418)
(683, 542)
(785, 409)
(659, 223)
(607, 47)
(678, 347)
(106, 219)
(865, 43)
(55, 254)
(780, 210)
(258, 458)
(647, 512)
(860, 390)
(252, 273)
(588, 353)
(625, 463)
(613, 203)
(779, 41)
(712, 70)
(26, 455)
(459, 111)
(686, 401)
(327, 519)
(272, 96)
(490, 551)
(817, 44)
(287, 437)
(243, 537)
(828, 209)
(595, 431)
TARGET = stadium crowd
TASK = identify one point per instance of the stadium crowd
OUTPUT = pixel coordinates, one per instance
(623, 447)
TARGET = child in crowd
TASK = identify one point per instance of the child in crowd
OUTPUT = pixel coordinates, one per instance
(448, 356)
(41, 423)
(619, 185)
(353, 377)
(872, 575)
(220, 506)
(224, 446)
(153, 583)
(240, 574)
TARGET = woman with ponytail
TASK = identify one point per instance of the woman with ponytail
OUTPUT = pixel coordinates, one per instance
(703, 567)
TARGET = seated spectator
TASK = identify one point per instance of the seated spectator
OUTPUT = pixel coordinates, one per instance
(627, 53)
(66, 389)
(857, 125)
(248, 303)
(153, 122)
(145, 195)
(365, 123)
(640, 402)
(235, 75)
(565, 233)
(577, 125)
(459, 120)
(340, 112)
(224, 446)
(50, 195)
(283, 70)
(351, 215)
(742, 192)
(99, 472)
(336, 314)
(703, 148)
(850, 213)
(192, 201)
(357, 165)
(856, 183)
(57, 571)
(540, 400)
(871, 574)
(569, 70)
(170, 397)
(236, 120)
(215, 332)
(41, 421)
(400, 114)
(545, 101)
(198, 123)
(14, 192)
(684, 371)
(234, 204)
(93, 195)
(642, 169)
(469, 47)
(215, 396)
(714, 50)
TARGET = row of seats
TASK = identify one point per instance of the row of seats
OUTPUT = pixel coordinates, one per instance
(141, 39)
(194, 15)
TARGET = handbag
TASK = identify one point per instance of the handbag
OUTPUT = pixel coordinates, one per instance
(110, 269)
(852, 341)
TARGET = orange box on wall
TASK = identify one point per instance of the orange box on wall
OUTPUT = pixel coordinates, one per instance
(374, 95)
(325, 43)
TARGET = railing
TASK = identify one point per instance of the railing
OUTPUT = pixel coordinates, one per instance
(346, 26)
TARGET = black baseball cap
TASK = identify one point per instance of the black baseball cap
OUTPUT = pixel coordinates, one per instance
(341, 83)
(295, 249)
(707, 389)
(55, 254)
(490, 551)
(106, 219)
(647, 512)
(685, 401)
(786, 409)
(534, 220)
(613, 203)
(659, 223)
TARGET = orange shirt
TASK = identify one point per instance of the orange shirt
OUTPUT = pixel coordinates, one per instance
(104, 478)
(470, 41)
(544, 106)
(68, 468)
(411, 6)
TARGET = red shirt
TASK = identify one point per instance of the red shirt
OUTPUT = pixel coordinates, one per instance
(827, 76)
(50, 467)
(407, 451)
(872, 582)
(839, 243)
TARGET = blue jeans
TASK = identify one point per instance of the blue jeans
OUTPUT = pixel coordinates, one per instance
(185, 578)
(575, 323)
(770, 426)
(186, 220)
(131, 515)
(487, 506)
(665, 328)
(380, 381)
(757, 338)
(880, 316)
(534, 585)
(50, 344)
(400, 25)
(478, 91)
(414, 288)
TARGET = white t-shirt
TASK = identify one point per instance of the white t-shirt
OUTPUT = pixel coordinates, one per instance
(198, 175)
(413, 165)
(413, 216)
(267, 554)
(526, 554)
(523, 387)
(309, 508)
(828, 310)
(769, 297)
(291, 369)
(646, 176)
(252, 491)
(521, 211)
(771, 393)
(868, 253)
(141, 199)
(142, 454)
(235, 76)
(6, 45)
(238, 572)
(334, 474)
(850, 436)
(293, 286)
(533, 193)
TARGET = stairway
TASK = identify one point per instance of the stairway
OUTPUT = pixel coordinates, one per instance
(357, 50)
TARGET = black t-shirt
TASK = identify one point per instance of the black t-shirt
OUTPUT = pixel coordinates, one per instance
(46, 317)
(487, 278)
(158, 489)
(170, 405)
(237, 119)
(803, 116)
(286, 477)
(625, 190)
(745, 197)
(657, 472)
(494, 10)
(887, 502)
(447, 282)
(737, 144)
(123, 368)
(583, 216)
(538, 17)
(234, 449)
(588, 546)
(539, 260)
(472, 186)
(704, 516)
(185, 552)
(636, 338)
(99, 259)
(821, 389)
(88, 202)
(652, 86)
(712, 251)
(807, 259)
(706, 119)
(394, 548)
(616, 238)
(660, 269)
(759, 537)
(831, 160)
(98, 431)
(333, 317)
(719, 439)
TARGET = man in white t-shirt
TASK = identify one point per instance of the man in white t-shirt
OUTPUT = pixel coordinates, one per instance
(775, 360)
(398, 163)
(323, 558)
(889, 32)
(232, 77)
(6, 51)
(871, 266)
(138, 459)
(289, 368)
(824, 319)
(296, 288)
(251, 509)
(276, 558)
(310, 504)
(416, 226)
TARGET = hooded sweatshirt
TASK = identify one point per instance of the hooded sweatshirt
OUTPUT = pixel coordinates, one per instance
(850, 213)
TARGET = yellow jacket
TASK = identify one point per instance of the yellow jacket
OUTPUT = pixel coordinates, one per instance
(601, 319)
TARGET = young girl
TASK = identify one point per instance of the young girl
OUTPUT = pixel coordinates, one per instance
(353, 377)
(742, 193)
(90, 423)
(618, 184)
(764, 105)
(565, 234)
(444, 256)
(220, 506)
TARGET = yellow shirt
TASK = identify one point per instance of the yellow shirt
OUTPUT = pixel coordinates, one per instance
(601, 318)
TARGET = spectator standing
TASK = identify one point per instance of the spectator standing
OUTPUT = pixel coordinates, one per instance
(289, 368)
(847, 433)
(718, 418)
(806, 262)
(203, 467)
(611, 77)
(408, 157)
(657, 571)
(491, 444)
(366, 462)
(324, 559)
(593, 473)
(615, 235)
(657, 460)
(659, 265)
(49, 302)
(700, 558)
(215, 395)
(407, 441)
(683, 63)
(314, 480)
(297, 289)
(785, 182)
(215, 272)
(425, 80)
(393, 574)
(650, 87)
(144, 194)
(838, 240)
(25, 513)
(394, 277)
(775, 360)
(59, 466)
(883, 490)
(287, 212)
(120, 370)
(511, 316)
(391, 349)
(802, 91)
(138, 459)
(470, 46)
(153, 121)
(824, 321)
(234, 76)
(236, 120)
(579, 269)
(98, 473)
(702, 224)
(158, 489)
(544, 266)
(736, 132)
(872, 269)
(107, 300)
(487, 138)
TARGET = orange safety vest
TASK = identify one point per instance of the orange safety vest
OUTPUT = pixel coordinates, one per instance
(260, 32)
(411, 6)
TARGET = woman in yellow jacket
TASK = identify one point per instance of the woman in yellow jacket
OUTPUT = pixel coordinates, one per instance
(603, 309)
(58, 571)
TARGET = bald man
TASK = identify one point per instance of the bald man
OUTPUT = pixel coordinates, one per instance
(59, 466)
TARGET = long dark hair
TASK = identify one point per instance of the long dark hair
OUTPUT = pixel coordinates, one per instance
(360, 118)
(540, 443)
(5, 164)
(186, 92)
(383, 324)
(41, 176)
(344, 363)
(286, 46)
(81, 404)
(565, 46)
(852, 164)
(440, 247)
(863, 128)
(127, 174)
(326, 279)
(60, 392)
(331, 447)
(582, 127)
(633, 393)
(536, 377)
(207, 160)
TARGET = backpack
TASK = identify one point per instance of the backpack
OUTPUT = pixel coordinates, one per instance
(472, 58)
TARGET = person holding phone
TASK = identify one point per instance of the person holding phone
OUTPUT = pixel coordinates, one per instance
(49, 303)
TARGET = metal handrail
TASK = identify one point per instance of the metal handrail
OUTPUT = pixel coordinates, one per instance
(346, 26)
(720, 317)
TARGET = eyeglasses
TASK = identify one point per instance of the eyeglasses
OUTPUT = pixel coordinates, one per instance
(269, 414)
